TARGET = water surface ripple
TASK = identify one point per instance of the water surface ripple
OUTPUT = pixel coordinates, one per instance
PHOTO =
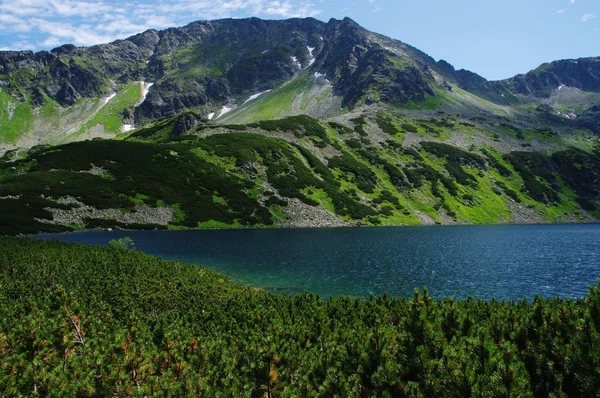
(508, 262)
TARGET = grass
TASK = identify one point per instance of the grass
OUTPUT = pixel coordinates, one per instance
(218, 180)
(277, 102)
(16, 118)
(109, 115)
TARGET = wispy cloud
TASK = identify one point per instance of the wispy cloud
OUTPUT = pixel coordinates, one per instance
(376, 9)
(572, 1)
(587, 17)
(13, 23)
(561, 11)
(87, 22)
(18, 46)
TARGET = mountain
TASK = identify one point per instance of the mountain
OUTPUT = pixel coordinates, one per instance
(296, 122)
(371, 169)
(209, 67)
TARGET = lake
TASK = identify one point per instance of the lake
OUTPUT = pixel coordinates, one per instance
(507, 262)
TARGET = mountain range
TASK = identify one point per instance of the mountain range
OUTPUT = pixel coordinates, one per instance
(298, 122)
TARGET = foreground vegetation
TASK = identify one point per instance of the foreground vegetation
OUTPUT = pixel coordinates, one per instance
(89, 321)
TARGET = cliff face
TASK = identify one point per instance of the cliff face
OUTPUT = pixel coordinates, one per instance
(583, 73)
(216, 62)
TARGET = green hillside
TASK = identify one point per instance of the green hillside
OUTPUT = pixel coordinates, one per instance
(373, 169)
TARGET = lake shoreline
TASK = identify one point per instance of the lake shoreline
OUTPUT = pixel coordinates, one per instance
(503, 261)
(292, 227)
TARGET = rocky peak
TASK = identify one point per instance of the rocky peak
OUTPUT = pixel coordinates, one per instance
(582, 73)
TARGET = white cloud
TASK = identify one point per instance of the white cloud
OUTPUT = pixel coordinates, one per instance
(50, 42)
(376, 9)
(587, 17)
(82, 35)
(561, 11)
(18, 46)
(12, 23)
(572, 1)
(88, 22)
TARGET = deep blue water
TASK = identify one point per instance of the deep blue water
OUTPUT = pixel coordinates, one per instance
(507, 262)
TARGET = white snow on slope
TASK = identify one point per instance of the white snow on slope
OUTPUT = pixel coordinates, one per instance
(105, 100)
(211, 115)
(254, 96)
(295, 61)
(145, 88)
(312, 58)
(224, 111)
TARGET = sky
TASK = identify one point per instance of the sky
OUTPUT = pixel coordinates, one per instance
(494, 38)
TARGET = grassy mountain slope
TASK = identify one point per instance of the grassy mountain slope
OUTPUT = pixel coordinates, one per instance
(23, 125)
(375, 168)
(307, 67)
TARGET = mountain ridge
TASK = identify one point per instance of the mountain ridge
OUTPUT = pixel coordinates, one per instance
(236, 123)
(67, 73)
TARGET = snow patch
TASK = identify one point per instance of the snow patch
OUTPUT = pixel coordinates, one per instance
(560, 87)
(254, 96)
(126, 127)
(312, 58)
(264, 52)
(211, 115)
(145, 88)
(224, 110)
(318, 75)
(105, 100)
(101, 105)
(295, 61)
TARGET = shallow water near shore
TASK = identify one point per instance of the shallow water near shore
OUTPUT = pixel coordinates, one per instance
(506, 262)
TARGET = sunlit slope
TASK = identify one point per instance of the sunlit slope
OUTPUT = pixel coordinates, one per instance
(363, 169)
(308, 93)
(23, 125)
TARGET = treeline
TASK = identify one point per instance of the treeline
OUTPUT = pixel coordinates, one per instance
(77, 320)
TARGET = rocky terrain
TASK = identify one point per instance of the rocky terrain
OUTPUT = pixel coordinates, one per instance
(235, 123)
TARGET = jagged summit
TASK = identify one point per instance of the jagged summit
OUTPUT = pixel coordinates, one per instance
(246, 69)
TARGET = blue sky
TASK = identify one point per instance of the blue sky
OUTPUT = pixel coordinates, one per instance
(495, 38)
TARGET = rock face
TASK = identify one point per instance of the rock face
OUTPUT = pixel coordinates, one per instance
(583, 73)
(215, 63)
(210, 64)
(185, 123)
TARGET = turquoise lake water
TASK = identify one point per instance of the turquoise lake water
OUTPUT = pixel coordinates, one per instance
(507, 262)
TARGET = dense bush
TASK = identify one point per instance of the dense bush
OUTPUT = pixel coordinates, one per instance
(300, 125)
(455, 160)
(409, 127)
(532, 167)
(170, 173)
(365, 179)
(89, 321)
(359, 125)
(386, 124)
